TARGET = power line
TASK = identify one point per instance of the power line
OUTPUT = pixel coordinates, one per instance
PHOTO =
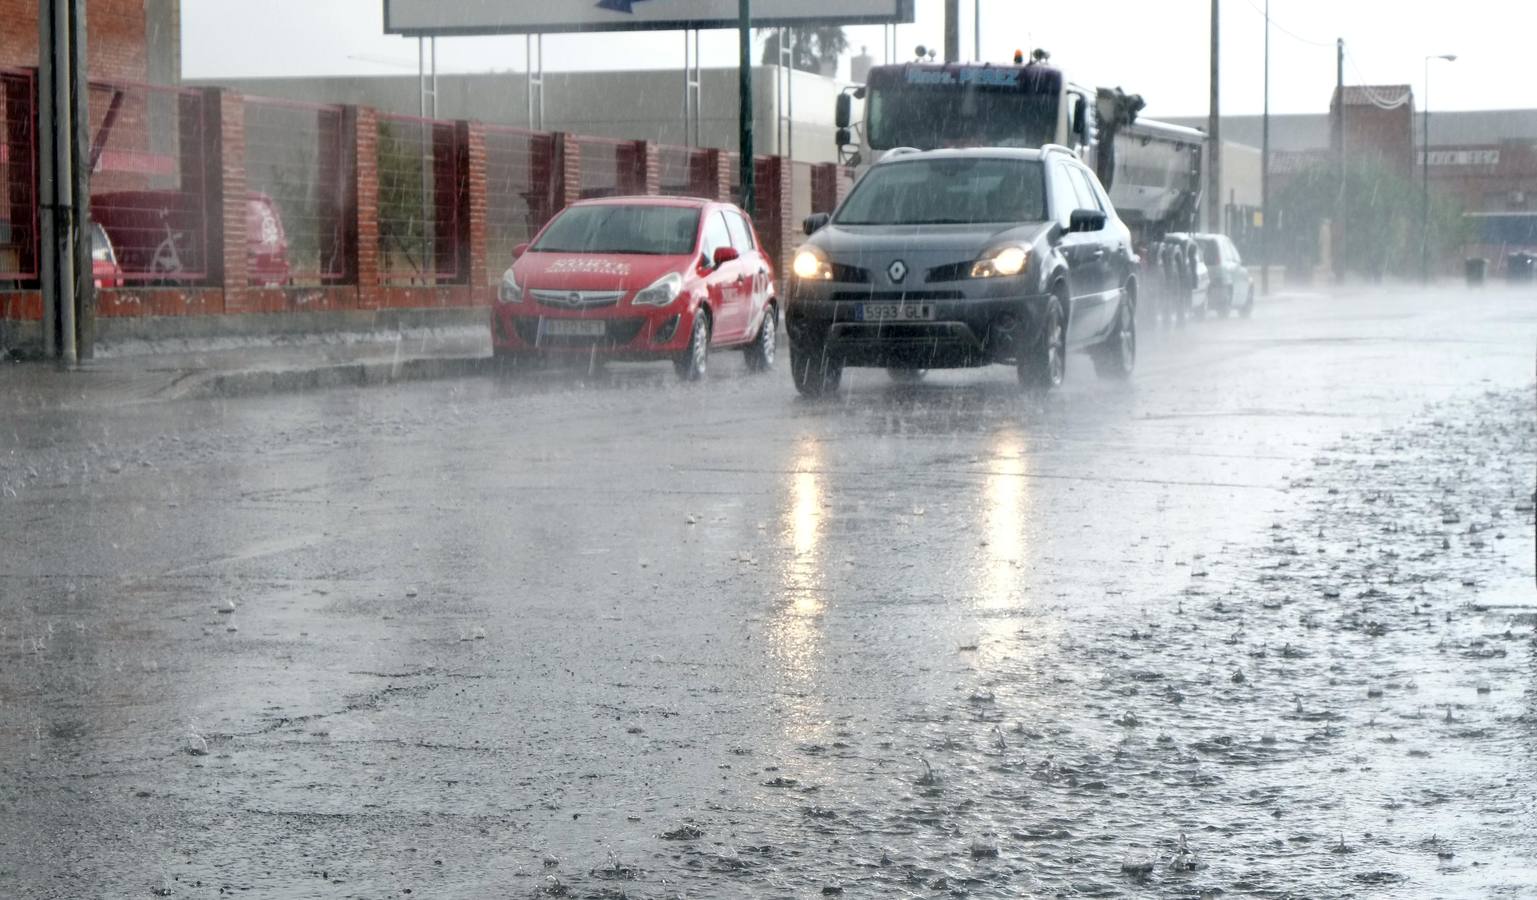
(1381, 101)
(1288, 32)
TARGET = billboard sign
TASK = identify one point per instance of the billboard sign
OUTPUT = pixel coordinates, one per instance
(427, 18)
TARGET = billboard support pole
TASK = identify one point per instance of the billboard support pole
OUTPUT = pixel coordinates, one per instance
(745, 105)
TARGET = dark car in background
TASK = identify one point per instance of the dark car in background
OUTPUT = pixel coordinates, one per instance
(1232, 287)
(951, 258)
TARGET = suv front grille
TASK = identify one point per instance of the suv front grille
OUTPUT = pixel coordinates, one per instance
(897, 296)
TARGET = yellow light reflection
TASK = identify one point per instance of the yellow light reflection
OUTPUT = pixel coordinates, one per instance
(1005, 505)
(795, 632)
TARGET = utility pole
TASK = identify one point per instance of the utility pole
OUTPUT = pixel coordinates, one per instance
(745, 107)
(1425, 172)
(1214, 131)
(1264, 171)
(64, 176)
(952, 31)
(1337, 227)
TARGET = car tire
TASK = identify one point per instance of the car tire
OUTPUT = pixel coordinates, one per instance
(1116, 357)
(1247, 309)
(906, 376)
(814, 373)
(694, 362)
(1044, 365)
(760, 353)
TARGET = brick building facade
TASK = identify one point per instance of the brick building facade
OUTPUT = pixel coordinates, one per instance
(126, 40)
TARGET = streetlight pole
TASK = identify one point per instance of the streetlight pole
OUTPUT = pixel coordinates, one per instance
(976, 28)
(1425, 171)
(1264, 171)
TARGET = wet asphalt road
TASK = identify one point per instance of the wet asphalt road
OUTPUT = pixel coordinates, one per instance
(608, 636)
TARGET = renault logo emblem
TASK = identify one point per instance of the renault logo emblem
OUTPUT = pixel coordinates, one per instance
(897, 270)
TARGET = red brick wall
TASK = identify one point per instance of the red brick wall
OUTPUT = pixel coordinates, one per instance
(115, 37)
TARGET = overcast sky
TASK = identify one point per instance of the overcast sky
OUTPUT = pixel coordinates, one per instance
(1158, 48)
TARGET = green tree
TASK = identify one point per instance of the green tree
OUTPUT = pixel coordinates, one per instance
(811, 47)
(1377, 212)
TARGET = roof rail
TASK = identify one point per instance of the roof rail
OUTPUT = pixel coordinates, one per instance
(899, 151)
(1057, 148)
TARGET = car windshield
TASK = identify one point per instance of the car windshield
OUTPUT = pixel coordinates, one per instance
(930, 118)
(622, 228)
(948, 191)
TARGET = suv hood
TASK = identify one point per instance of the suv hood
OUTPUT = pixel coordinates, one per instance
(962, 240)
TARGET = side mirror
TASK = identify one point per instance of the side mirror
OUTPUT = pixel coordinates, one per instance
(519, 250)
(724, 255)
(843, 137)
(843, 111)
(1086, 220)
(1081, 119)
(815, 221)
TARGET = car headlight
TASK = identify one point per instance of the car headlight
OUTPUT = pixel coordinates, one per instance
(1001, 263)
(810, 266)
(508, 291)
(661, 292)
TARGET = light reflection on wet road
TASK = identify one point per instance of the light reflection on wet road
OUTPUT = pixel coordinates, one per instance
(609, 636)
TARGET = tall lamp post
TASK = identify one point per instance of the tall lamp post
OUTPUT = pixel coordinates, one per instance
(1425, 171)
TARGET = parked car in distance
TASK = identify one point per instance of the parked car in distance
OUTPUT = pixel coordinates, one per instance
(966, 257)
(1232, 287)
(1188, 274)
(104, 268)
(639, 278)
(159, 238)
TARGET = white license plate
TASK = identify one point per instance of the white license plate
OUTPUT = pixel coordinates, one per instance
(573, 327)
(894, 312)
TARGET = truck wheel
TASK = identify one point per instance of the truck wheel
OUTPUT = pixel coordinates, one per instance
(814, 373)
(1116, 357)
(1044, 364)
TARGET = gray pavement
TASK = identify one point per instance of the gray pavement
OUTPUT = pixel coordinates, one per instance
(602, 635)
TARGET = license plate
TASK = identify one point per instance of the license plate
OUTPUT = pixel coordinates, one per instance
(573, 327)
(894, 312)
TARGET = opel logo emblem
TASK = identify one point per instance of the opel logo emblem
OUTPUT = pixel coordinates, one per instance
(574, 300)
(897, 270)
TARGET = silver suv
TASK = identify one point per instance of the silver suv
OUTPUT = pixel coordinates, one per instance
(949, 258)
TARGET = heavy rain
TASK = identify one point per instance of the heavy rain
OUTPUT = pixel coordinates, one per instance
(1051, 494)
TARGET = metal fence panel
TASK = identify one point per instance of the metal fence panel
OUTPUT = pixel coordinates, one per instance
(297, 171)
(18, 176)
(610, 168)
(149, 181)
(420, 204)
(519, 192)
(685, 172)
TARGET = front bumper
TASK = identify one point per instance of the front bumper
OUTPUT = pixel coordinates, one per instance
(961, 332)
(627, 332)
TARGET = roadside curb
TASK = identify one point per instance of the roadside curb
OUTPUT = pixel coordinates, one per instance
(258, 382)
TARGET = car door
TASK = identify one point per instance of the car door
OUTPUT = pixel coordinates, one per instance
(1238, 274)
(1097, 301)
(726, 314)
(1076, 248)
(752, 272)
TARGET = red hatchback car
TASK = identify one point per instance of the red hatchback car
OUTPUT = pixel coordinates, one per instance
(640, 278)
